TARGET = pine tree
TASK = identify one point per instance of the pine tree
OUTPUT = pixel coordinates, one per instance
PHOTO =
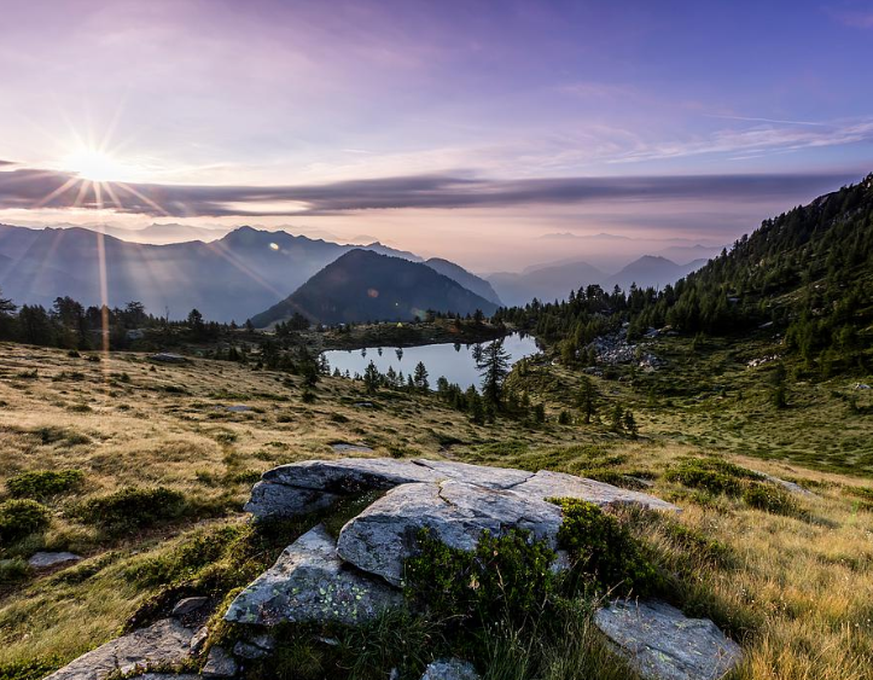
(630, 423)
(372, 378)
(494, 367)
(420, 378)
(587, 399)
(617, 424)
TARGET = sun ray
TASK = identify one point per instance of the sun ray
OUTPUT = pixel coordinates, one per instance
(66, 186)
(142, 197)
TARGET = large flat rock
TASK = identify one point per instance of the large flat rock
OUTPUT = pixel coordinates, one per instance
(660, 643)
(309, 582)
(165, 642)
(546, 484)
(384, 535)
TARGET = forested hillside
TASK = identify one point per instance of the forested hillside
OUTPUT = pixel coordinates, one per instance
(806, 273)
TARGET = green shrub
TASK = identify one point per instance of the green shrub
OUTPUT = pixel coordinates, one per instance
(769, 498)
(13, 571)
(185, 560)
(33, 669)
(133, 508)
(604, 552)
(42, 484)
(20, 518)
(712, 475)
(504, 576)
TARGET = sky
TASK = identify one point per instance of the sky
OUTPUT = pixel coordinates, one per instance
(466, 129)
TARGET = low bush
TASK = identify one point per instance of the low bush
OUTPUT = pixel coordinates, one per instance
(33, 669)
(43, 484)
(769, 498)
(713, 475)
(13, 571)
(132, 508)
(184, 561)
(604, 552)
(504, 576)
(20, 518)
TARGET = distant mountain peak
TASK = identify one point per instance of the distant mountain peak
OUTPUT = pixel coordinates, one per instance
(364, 285)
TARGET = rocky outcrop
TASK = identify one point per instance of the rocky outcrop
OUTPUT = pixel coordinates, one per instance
(450, 669)
(298, 488)
(660, 643)
(546, 484)
(50, 560)
(384, 535)
(309, 582)
(163, 643)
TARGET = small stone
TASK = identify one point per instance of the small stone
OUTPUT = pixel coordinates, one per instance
(264, 641)
(247, 651)
(661, 643)
(198, 640)
(450, 669)
(219, 664)
(47, 560)
(188, 605)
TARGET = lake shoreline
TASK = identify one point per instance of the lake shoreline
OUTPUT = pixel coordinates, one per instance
(406, 334)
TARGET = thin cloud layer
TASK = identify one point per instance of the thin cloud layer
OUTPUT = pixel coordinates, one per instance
(32, 189)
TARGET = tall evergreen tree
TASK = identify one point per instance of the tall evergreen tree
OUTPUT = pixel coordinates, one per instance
(494, 367)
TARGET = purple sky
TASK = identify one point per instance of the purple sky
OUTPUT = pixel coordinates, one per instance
(444, 127)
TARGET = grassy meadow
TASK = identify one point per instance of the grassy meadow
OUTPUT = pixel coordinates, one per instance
(790, 576)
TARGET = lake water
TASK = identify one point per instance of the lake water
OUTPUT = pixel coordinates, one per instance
(455, 362)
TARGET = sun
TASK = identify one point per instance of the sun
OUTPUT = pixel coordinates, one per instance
(95, 165)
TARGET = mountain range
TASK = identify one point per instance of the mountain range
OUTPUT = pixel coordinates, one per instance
(230, 278)
(555, 281)
(363, 285)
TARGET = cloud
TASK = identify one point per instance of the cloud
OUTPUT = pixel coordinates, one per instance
(757, 140)
(31, 189)
(861, 19)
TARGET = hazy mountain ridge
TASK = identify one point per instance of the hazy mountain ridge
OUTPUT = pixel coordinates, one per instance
(554, 282)
(367, 286)
(226, 279)
(468, 280)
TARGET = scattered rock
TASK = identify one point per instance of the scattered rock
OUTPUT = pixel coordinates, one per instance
(351, 448)
(219, 664)
(383, 535)
(198, 640)
(168, 358)
(165, 642)
(47, 560)
(244, 650)
(310, 583)
(662, 644)
(188, 605)
(450, 669)
(788, 486)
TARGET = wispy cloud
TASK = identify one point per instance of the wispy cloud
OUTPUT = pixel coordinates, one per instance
(758, 140)
(775, 121)
(854, 19)
(28, 189)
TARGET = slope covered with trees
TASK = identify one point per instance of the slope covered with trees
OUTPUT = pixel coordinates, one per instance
(806, 273)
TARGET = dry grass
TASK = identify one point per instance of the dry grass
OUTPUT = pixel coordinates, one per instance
(800, 594)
